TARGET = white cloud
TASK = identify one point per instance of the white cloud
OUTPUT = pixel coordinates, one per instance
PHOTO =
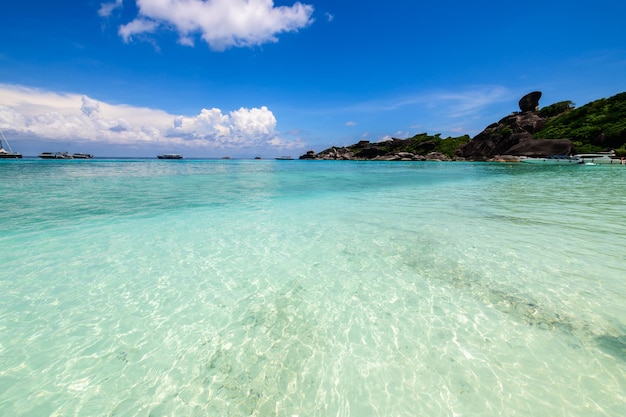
(137, 26)
(89, 106)
(77, 118)
(106, 9)
(221, 24)
(351, 123)
(253, 122)
(453, 104)
(468, 102)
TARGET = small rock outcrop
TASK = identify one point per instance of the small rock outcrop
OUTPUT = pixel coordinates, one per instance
(542, 147)
(392, 150)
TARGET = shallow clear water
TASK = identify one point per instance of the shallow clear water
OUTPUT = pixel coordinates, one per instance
(311, 288)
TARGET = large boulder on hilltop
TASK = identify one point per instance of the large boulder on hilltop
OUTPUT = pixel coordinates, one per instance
(530, 102)
(513, 135)
(499, 137)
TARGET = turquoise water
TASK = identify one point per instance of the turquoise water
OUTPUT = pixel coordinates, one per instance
(311, 288)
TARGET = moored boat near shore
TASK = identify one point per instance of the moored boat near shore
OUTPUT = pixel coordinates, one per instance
(4, 154)
(553, 160)
(599, 158)
(578, 159)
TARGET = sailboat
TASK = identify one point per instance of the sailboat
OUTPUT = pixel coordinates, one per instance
(4, 153)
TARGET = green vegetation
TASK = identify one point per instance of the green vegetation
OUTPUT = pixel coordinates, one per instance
(449, 145)
(424, 143)
(599, 125)
(421, 144)
(556, 109)
(506, 131)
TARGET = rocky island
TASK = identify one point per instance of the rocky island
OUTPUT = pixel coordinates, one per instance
(558, 129)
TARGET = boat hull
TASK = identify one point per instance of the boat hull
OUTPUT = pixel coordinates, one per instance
(601, 159)
(10, 155)
(553, 160)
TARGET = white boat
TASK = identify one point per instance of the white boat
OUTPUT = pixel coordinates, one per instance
(553, 160)
(7, 153)
(578, 159)
(82, 156)
(599, 158)
(170, 156)
(284, 158)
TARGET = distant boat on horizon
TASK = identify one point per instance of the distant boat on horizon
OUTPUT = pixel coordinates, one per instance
(170, 156)
(82, 156)
(65, 155)
(284, 158)
(7, 154)
(55, 155)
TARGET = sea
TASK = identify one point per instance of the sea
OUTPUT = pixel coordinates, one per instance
(297, 288)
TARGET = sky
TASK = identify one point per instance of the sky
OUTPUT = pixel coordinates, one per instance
(263, 78)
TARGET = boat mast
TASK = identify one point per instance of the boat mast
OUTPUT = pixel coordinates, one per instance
(4, 138)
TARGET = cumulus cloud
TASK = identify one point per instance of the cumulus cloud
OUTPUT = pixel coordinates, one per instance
(240, 128)
(222, 24)
(78, 118)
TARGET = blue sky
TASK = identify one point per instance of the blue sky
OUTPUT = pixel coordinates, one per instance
(245, 78)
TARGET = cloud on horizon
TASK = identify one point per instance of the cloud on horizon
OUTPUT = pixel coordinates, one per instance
(78, 118)
(222, 24)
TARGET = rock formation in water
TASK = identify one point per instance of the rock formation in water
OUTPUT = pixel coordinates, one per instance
(599, 124)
